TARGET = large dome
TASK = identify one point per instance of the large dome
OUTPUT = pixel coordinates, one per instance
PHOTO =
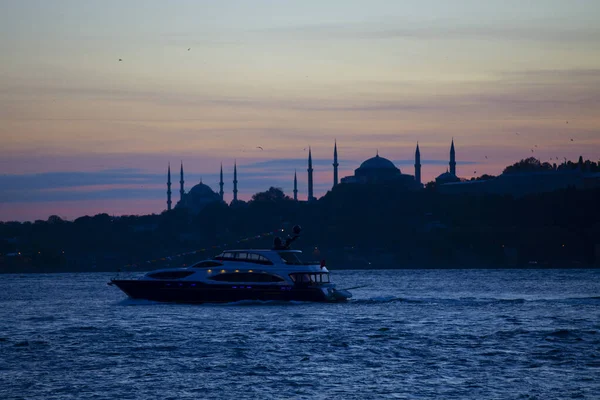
(197, 198)
(377, 163)
(202, 190)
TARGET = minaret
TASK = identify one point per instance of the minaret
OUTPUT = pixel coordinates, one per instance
(181, 191)
(169, 188)
(452, 159)
(335, 165)
(221, 192)
(295, 187)
(418, 165)
(235, 191)
(310, 177)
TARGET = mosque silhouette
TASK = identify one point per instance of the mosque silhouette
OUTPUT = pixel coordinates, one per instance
(375, 170)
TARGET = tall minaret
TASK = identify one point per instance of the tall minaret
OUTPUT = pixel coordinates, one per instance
(181, 191)
(310, 176)
(418, 165)
(452, 159)
(335, 165)
(221, 192)
(169, 188)
(235, 191)
(295, 187)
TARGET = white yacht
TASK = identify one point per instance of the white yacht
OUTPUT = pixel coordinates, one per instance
(236, 275)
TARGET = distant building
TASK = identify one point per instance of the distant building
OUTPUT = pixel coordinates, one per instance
(446, 177)
(450, 175)
(375, 170)
(379, 170)
(197, 198)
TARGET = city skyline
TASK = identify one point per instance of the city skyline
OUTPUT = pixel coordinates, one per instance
(208, 83)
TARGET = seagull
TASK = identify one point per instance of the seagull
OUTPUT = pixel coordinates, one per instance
(486, 157)
(566, 122)
(571, 140)
(258, 147)
(532, 150)
(535, 145)
(474, 172)
(517, 133)
(189, 49)
(120, 59)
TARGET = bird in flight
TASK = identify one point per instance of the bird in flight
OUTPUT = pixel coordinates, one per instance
(486, 157)
(189, 49)
(120, 59)
(517, 133)
(571, 140)
(258, 147)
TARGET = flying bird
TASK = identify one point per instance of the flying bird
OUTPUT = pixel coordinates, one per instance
(517, 133)
(120, 59)
(571, 140)
(189, 49)
(258, 147)
(486, 157)
(532, 150)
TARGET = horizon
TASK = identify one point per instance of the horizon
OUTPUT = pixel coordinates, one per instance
(208, 83)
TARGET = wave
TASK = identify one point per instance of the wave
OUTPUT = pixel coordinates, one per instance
(48, 318)
(137, 302)
(464, 300)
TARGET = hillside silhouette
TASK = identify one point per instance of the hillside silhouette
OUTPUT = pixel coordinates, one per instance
(352, 226)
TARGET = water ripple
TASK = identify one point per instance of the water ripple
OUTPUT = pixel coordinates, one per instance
(409, 334)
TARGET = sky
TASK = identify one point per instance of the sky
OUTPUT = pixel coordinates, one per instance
(207, 82)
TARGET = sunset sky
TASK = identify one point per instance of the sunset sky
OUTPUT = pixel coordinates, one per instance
(84, 133)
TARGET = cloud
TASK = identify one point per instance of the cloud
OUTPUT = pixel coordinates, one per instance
(538, 31)
(54, 180)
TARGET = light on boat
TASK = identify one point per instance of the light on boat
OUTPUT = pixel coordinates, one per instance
(209, 271)
(249, 270)
(222, 270)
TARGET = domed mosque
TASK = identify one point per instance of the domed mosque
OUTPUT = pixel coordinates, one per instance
(200, 195)
(381, 170)
(375, 170)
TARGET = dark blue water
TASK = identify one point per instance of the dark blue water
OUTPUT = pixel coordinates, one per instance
(520, 334)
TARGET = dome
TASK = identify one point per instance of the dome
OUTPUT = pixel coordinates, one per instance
(201, 190)
(377, 163)
(446, 175)
(197, 198)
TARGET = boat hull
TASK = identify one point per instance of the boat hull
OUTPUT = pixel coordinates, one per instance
(199, 292)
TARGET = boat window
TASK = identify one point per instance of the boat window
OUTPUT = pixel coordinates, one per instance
(244, 257)
(290, 258)
(246, 277)
(264, 260)
(170, 274)
(313, 277)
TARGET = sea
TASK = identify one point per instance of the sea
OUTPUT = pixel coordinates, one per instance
(405, 334)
